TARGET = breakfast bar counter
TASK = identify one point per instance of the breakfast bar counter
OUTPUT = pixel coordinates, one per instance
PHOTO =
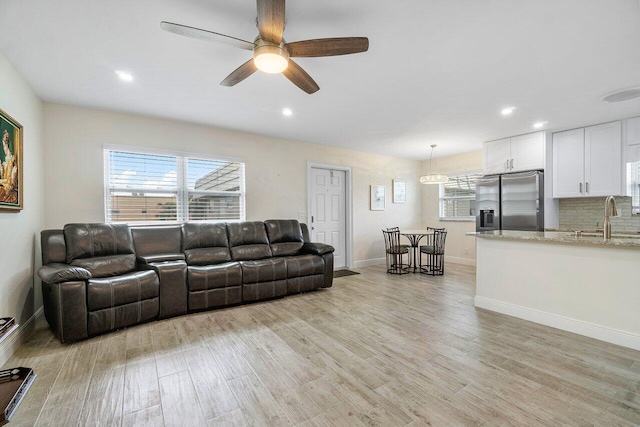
(575, 282)
(625, 239)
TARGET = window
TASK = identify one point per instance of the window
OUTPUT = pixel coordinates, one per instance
(147, 188)
(458, 198)
(633, 186)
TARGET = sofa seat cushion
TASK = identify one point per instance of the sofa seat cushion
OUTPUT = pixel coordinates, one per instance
(110, 292)
(264, 270)
(202, 278)
(207, 256)
(304, 265)
(107, 266)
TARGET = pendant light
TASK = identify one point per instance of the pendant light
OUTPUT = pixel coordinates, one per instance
(431, 177)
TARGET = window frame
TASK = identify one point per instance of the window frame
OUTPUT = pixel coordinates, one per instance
(442, 198)
(182, 191)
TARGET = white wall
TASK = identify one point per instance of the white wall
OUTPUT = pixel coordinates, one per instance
(275, 170)
(457, 244)
(20, 292)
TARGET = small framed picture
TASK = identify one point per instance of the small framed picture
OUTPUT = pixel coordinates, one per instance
(399, 191)
(378, 196)
(11, 187)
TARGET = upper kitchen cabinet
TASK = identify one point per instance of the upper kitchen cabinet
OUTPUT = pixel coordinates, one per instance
(496, 156)
(587, 162)
(633, 131)
(632, 140)
(515, 154)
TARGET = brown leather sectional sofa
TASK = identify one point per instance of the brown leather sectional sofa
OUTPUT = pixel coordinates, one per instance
(101, 277)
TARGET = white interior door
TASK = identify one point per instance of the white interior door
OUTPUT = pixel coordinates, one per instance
(328, 211)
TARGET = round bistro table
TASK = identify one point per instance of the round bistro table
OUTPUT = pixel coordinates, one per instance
(414, 237)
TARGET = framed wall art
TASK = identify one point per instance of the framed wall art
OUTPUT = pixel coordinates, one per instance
(11, 186)
(378, 196)
(399, 191)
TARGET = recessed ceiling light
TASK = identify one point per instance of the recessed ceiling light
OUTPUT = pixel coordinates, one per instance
(622, 95)
(507, 111)
(287, 112)
(538, 125)
(124, 76)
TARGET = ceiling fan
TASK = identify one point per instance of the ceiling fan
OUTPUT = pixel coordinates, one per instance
(271, 53)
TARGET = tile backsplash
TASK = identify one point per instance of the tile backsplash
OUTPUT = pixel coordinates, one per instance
(587, 213)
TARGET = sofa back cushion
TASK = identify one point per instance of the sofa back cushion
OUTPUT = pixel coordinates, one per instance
(205, 243)
(248, 241)
(285, 236)
(157, 240)
(97, 240)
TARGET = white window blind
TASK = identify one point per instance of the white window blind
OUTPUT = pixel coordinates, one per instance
(633, 186)
(458, 198)
(147, 188)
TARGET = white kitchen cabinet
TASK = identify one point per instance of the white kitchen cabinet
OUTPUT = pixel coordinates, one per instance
(527, 152)
(519, 153)
(496, 156)
(587, 162)
(633, 131)
(568, 163)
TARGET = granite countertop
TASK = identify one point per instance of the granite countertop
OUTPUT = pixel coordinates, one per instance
(629, 240)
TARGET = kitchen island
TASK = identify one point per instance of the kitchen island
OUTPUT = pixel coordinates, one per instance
(582, 284)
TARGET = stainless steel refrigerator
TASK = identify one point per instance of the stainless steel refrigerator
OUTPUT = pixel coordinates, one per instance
(510, 202)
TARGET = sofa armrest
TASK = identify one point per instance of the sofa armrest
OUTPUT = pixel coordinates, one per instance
(58, 273)
(148, 259)
(173, 286)
(65, 307)
(317, 249)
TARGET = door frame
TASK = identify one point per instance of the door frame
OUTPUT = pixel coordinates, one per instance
(348, 203)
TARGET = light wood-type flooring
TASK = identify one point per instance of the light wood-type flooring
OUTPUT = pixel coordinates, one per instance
(374, 350)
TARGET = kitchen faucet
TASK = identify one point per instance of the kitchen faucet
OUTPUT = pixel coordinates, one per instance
(609, 211)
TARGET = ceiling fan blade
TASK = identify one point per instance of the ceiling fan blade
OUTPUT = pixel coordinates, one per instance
(271, 20)
(241, 73)
(328, 47)
(300, 78)
(199, 34)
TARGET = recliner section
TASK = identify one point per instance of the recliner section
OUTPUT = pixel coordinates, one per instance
(102, 277)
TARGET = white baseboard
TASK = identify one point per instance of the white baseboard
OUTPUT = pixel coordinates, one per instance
(369, 262)
(458, 260)
(591, 330)
(19, 337)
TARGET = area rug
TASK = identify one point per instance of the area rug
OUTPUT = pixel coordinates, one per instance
(343, 273)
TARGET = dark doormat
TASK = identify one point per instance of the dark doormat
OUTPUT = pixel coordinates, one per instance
(343, 273)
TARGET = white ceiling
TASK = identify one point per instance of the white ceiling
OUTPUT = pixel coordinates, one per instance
(437, 71)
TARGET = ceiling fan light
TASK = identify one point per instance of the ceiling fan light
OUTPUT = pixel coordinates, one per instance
(270, 59)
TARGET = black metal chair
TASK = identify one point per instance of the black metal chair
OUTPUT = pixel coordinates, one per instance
(397, 229)
(394, 252)
(434, 250)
